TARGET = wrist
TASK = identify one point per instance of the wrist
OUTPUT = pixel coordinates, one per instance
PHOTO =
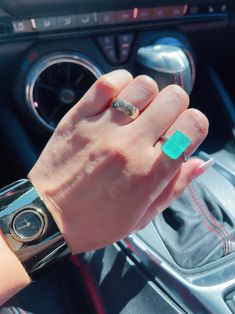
(12, 273)
(56, 212)
(28, 226)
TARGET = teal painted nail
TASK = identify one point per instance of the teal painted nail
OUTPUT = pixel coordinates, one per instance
(176, 145)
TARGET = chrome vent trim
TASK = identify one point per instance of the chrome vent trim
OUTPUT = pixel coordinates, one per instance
(46, 62)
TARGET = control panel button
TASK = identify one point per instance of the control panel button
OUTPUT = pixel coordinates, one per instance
(107, 42)
(111, 55)
(108, 46)
(124, 16)
(124, 53)
(106, 18)
(68, 21)
(194, 10)
(126, 39)
(125, 43)
(160, 13)
(177, 11)
(22, 26)
(211, 9)
(145, 14)
(46, 24)
(223, 8)
(89, 19)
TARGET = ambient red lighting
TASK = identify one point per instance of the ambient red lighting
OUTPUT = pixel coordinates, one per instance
(135, 13)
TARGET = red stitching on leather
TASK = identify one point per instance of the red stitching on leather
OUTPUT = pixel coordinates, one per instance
(226, 234)
(204, 220)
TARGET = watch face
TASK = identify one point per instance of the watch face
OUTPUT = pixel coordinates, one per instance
(27, 225)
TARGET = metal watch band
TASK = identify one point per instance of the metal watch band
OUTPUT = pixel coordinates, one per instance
(22, 209)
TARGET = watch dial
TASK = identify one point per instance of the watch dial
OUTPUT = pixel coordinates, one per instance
(28, 225)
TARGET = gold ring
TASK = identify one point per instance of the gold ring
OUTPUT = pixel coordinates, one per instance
(126, 107)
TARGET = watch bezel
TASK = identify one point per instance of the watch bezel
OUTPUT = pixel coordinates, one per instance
(36, 211)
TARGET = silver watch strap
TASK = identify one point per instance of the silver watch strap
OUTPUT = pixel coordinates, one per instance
(22, 198)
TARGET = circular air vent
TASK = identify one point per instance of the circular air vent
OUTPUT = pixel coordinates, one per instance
(56, 83)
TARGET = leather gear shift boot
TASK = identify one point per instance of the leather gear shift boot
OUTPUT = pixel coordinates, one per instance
(196, 229)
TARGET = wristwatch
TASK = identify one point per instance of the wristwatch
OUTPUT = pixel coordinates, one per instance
(29, 228)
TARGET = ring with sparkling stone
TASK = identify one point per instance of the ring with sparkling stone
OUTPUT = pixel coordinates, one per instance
(175, 146)
(126, 107)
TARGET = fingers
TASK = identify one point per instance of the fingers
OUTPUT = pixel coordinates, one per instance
(194, 125)
(174, 189)
(103, 90)
(139, 92)
(161, 113)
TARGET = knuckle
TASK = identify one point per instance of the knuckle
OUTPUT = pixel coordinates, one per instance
(127, 155)
(136, 164)
(140, 168)
(125, 73)
(120, 153)
(106, 84)
(116, 151)
(199, 121)
(178, 95)
(147, 84)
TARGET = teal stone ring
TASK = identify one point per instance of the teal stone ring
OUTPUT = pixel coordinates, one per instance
(175, 146)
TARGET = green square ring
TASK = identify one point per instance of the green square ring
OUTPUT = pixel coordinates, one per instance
(176, 145)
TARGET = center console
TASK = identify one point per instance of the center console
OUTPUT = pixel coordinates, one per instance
(189, 249)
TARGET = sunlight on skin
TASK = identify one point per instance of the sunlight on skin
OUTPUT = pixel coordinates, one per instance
(13, 276)
(108, 166)
(103, 176)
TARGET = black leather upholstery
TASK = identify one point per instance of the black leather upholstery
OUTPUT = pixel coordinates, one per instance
(196, 229)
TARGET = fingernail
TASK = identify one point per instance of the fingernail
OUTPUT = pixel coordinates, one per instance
(203, 167)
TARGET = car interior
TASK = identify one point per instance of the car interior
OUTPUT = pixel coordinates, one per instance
(51, 52)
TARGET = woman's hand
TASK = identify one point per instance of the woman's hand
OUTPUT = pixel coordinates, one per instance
(103, 175)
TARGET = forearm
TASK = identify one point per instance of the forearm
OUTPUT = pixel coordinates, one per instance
(13, 276)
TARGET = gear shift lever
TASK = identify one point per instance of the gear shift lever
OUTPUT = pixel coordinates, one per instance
(167, 61)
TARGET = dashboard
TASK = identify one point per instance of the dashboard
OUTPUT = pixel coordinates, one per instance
(91, 37)
(23, 17)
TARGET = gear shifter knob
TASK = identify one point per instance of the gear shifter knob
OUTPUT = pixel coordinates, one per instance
(167, 62)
